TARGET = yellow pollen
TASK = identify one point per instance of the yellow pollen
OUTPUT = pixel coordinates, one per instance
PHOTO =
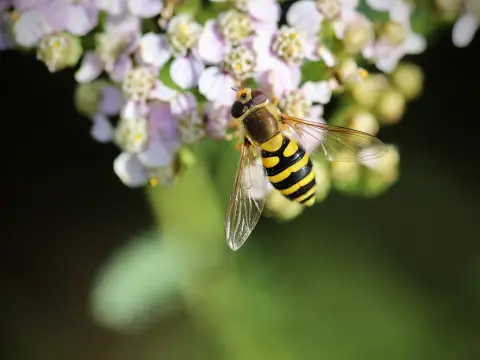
(183, 28)
(138, 137)
(238, 67)
(153, 182)
(293, 36)
(56, 44)
(15, 15)
(363, 73)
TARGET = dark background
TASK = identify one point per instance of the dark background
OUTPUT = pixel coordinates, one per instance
(64, 210)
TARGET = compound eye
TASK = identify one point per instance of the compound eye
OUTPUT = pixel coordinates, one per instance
(258, 97)
(238, 109)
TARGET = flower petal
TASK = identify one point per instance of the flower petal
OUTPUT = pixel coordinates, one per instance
(264, 10)
(307, 140)
(114, 7)
(163, 125)
(30, 28)
(111, 100)
(317, 92)
(183, 103)
(327, 56)
(134, 109)
(145, 8)
(162, 92)
(388, 63)
(76, 19)
(211, 47)
(154, 49)
(26, 5)
(130, 170)
(156, 155)
(102, 129)
(464, 30)
(185, 71)
(400, 12)
(125, 23)
(415, 44)
(90, 68)
(281, 78)
(121, 68)
(315, 114)
(303, 15)
(380, 5)
(339, 28)
(216, 86)
(261, 46)
(218, 117)
(349, 4)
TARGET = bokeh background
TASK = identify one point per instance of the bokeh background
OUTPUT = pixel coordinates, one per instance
(86, 272)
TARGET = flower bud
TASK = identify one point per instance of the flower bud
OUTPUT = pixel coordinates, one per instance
(357, 35)
(448, 9)
(162, 176)
(88, 96)
(322, 178)
(390, 107)
(382, 172)
(394, 32)
(330, 9)
(169, 174)
(408, 79)
(280, 208)
(59, 51)
(368, 91)
(184, 159)
(345, 175)
(349, 73)
(363, 121)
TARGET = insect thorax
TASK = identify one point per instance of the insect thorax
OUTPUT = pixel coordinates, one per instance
(261, 125)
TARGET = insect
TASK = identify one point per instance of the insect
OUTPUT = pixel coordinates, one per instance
(267, 135)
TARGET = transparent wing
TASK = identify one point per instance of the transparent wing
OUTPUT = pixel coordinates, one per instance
(338, 143)
(245, 206)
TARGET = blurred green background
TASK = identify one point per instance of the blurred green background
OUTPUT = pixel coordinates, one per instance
(93, 270)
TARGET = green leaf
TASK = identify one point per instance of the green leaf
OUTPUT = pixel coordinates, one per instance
(314, 71)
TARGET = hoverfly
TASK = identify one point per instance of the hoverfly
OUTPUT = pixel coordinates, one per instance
(267, 135)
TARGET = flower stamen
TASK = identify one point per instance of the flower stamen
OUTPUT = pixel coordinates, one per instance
(183, 34)
(138, 83)
(235, 26)
(132, 134)
(289, 44)
(331, 9)
(240, 62)
(295, 104)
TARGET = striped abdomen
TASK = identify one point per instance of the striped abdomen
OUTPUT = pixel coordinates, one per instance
(289, 169)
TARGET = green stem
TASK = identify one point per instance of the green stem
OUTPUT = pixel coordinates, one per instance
(219, 297)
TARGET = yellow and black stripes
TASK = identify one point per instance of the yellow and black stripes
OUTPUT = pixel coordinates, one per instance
(289, 169)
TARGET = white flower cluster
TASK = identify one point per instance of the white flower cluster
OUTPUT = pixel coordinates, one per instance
(153, 79)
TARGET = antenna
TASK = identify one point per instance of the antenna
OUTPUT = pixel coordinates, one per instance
(234, 89)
